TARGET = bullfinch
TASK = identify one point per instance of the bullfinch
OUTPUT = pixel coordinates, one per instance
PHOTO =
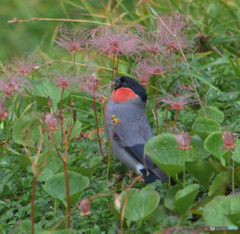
(129, 135)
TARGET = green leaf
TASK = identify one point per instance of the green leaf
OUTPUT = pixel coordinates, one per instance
(212, 112)
(50, 163)
(56, 188)
(75, 130)
(221, 210)
(213, 144)
(140, 203)
(89, 171)
(26, 131)
(236, 155)
(206, 125)
(219, 180)
(24, 161)
(162, 149)
(95, 160)
(197, 151)
(170, 198)
(201, 170)
(185, 198)
(25, 227)
(46, 88)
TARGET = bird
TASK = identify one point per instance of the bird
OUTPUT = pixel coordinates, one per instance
(130, 133)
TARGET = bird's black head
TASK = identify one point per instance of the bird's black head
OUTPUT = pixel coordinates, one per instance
(128, 82)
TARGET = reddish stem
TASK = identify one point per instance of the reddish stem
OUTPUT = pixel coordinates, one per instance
(155, 104)
(61, 116)
(149, 96)
(166, 119)
(98, 135)
(117, 66)
(67, 194)
(175, 120)
(32, 202)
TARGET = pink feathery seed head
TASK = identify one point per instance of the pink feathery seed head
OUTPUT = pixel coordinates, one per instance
(90, 83)
(151, 42)
(142, 74)
(11, 82)
(178, 24)
(3, 113)
(72, 40)
(177, 101)
(228, 139)
(114, 40)
(52, 121)
(64, 81)
(184, 139)
(154, 67)
(25, 64)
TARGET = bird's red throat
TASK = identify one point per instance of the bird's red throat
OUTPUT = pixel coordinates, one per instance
(122, 95)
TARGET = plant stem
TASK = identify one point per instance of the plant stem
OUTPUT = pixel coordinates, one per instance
(98, 135)
(15, 20)
(166, 84)
(61, 117)
(184, 168)
(233, 154)
(178, 181)
(32, 201)
(149, 96)
(67, 194)
(74, 62)
(117, 65)
(113, 66)
(109, 150)
(175, 120)
(123, 210)
(166, 120)
(155, 104)
(55, 208)
(6, 135)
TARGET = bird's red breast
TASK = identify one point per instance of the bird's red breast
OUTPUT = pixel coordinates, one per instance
(122, 95)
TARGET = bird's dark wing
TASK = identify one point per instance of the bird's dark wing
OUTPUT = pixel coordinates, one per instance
(151, 171)
(137, 151)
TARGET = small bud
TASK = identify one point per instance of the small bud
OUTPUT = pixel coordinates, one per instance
(228, 139)
(85, 207)
(184, 140)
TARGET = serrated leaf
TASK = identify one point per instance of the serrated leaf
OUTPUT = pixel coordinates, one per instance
(206, 125)
(213, 113)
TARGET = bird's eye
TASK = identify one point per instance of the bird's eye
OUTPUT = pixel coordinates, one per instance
(124, 84)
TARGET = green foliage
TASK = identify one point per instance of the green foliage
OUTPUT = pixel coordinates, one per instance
(55, 186)
(221, 210)
(140, 203)
(207, 172)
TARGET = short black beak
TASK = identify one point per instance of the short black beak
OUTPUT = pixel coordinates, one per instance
(117, 82)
